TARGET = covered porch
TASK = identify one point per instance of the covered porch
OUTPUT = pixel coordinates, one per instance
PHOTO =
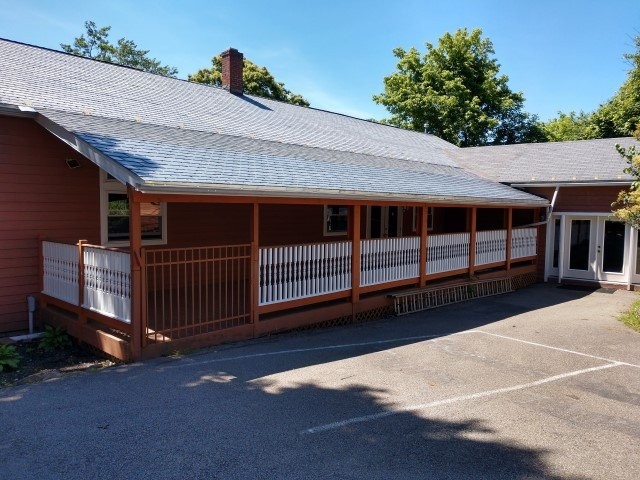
(234, 268)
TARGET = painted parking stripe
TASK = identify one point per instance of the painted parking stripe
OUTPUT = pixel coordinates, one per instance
(184, 363)
(555, 348)
(448, 401)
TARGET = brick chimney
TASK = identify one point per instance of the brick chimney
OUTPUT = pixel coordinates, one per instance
(232, 63)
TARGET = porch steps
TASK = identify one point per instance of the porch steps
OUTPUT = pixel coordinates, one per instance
(433, 297)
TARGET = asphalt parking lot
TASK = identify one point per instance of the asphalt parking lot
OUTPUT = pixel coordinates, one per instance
(541, 383)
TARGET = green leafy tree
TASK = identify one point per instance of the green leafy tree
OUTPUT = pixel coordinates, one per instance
(125, 52)
(257, 81)
(571, 126)
(620, 116)
(627, 205)
(455, 91)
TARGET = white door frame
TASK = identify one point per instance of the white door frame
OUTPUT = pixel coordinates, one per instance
(591, 272)
(628, 276)
(616, 277)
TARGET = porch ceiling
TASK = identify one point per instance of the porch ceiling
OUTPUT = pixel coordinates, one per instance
(175, 160)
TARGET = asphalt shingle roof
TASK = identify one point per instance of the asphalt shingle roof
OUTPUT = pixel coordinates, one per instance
(168, 131)
(186, 157)
(554, 162)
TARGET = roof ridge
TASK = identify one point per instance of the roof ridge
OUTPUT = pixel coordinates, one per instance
(104, 62)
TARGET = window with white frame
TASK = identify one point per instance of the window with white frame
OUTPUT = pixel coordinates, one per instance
(336, 220)
(114, 221)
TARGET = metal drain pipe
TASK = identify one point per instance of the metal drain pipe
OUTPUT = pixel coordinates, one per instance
(31, 308)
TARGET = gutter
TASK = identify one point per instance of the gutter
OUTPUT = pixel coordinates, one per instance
(242, 191)
(587, 183)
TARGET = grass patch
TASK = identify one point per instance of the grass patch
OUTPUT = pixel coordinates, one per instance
(631, 318)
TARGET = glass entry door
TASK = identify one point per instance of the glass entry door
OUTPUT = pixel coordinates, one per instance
(611, 249)
(580, 251)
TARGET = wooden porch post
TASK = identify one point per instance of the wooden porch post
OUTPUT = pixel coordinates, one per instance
(424, 212)
(509, 234)
(255, 265)
(138, 324)
(355, 256)
(472, 242)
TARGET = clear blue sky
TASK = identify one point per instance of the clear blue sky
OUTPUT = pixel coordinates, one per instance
(563, 54)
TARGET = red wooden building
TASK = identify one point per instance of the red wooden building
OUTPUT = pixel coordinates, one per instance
(149, 213)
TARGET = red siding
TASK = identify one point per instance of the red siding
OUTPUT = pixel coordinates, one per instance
(201, 224)
(291, 224)
(581, 199)
(39, 195)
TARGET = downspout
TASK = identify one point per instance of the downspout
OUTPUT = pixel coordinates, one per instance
(550, 233)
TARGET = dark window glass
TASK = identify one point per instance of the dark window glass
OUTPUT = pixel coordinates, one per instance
(580, 246)
(337, 219)
(613, 247)
(393, 222)
(556, 242)
(118, 219)
(376, 226)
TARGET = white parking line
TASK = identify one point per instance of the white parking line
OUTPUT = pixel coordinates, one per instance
(184, 363)
(555, 348)
(448, 401)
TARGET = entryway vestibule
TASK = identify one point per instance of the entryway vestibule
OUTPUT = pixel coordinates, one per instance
(592, 246)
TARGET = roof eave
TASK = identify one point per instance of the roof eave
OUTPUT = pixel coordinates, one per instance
(177, 188)
(573, 183)
(106, 163)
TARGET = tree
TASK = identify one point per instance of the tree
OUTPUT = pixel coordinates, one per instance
(125, 52)
(620, 116)
(572, 126)
(627, 205)
(257, 81)
(456, 91)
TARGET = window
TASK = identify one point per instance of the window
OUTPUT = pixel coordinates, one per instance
(115, 216)
(336, 220)
(416, 214)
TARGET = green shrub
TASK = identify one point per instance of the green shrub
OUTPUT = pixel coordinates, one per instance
(54, 338)
(9, 357)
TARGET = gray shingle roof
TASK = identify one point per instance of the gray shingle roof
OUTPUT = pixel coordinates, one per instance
(162, 155)
(554, 162)
(169, 132)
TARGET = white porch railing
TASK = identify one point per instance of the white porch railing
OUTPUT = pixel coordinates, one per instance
(60, 271)
(447, 252)
(491, 247)
(301, 271)
(389, 259)
(523, 242)
(107, 283)
(106, 277)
